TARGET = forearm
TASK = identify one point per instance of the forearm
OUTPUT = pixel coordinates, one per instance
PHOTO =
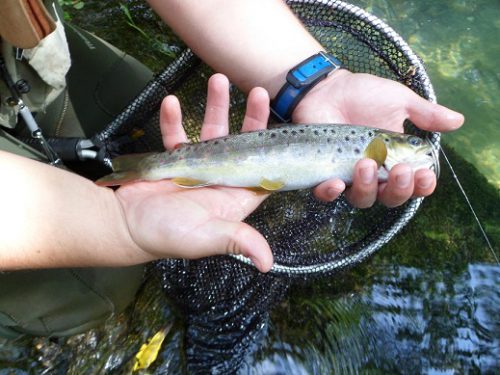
(253, 42)
(54, 218)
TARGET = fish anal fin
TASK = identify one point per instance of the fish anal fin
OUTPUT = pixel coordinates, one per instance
(271, 185)
(257, 190)
(187, 182)
(377, 150)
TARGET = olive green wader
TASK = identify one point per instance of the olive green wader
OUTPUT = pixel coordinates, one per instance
(60, 302)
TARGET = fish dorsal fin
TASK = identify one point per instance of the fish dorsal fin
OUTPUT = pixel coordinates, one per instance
(270, 185)
(377, 150)
(187, 182)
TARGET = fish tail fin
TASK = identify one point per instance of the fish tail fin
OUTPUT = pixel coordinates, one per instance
(126, 168)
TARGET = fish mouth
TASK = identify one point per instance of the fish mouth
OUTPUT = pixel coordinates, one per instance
(434, 154)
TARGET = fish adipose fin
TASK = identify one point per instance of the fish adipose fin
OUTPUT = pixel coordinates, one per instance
(119, 178)
(377, 151)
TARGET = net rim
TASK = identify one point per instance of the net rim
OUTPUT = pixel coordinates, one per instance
(413, 204)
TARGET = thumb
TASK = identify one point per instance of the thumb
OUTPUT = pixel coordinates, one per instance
(433, 117)
(240, 238)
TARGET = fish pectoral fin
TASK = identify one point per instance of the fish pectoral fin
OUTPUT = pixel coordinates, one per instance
(271, 185)
(187, 182)
(377, 150)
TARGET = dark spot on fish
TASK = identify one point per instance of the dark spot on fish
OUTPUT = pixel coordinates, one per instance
(347, 138)
(261, 134)
(216, 142)
(363, 139)
(318, 151)
(294, 132)
(370, 134)
(316, 132)
(332, 131)
(302, 131)
(339, 150)
(353, 132)
(325, 130)
(273, 135)
(285, 131)
(357, 151)
(329, 140)
(386, 140)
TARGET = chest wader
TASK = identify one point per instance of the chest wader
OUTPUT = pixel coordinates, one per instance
(59, 302)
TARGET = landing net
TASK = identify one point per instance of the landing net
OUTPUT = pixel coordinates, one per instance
(225, 299)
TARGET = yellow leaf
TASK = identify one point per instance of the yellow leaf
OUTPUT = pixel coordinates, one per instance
(148, 352)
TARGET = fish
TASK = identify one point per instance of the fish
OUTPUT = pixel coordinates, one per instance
(288, 157)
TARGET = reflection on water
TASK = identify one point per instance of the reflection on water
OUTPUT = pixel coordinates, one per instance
(435, 321)
(458, 42)
(410, 320)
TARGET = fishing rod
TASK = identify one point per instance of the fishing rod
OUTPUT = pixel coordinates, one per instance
(483, 232)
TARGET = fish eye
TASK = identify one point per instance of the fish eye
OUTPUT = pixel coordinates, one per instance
(414, 141)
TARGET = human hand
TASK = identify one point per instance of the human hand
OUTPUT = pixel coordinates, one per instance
(364, 99)
(165, 220)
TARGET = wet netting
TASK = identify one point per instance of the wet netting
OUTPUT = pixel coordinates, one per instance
(225, 299)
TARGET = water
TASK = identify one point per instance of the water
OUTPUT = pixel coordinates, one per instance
(458, 42)
(427, 303)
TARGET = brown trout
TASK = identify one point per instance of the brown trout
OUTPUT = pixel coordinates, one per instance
(288, 157)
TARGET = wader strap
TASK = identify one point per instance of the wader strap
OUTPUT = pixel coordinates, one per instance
(24, 22)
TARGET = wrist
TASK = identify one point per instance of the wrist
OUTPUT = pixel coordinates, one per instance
(301, 79)
(122, 238)
(330, 90)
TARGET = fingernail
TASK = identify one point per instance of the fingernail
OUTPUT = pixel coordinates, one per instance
(332, 193)
(255, 262)
(425, 182)
(403, 180)
(367, 175)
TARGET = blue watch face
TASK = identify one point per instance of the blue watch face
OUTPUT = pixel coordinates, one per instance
(312, 69)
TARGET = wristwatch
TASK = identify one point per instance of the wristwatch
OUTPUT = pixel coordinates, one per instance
(299, 80)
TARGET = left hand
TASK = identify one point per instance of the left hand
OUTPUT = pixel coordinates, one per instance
(165, 220)
(364, 99)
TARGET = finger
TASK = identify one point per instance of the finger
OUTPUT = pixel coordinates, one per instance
(215, 123)
(329, 190)
(399, 187)
(425, 183)
(364, 189)
(433, 117)
(172, 132)
(257, 111)
(240, 238)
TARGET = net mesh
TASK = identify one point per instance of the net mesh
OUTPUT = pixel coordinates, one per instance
(225, 299)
